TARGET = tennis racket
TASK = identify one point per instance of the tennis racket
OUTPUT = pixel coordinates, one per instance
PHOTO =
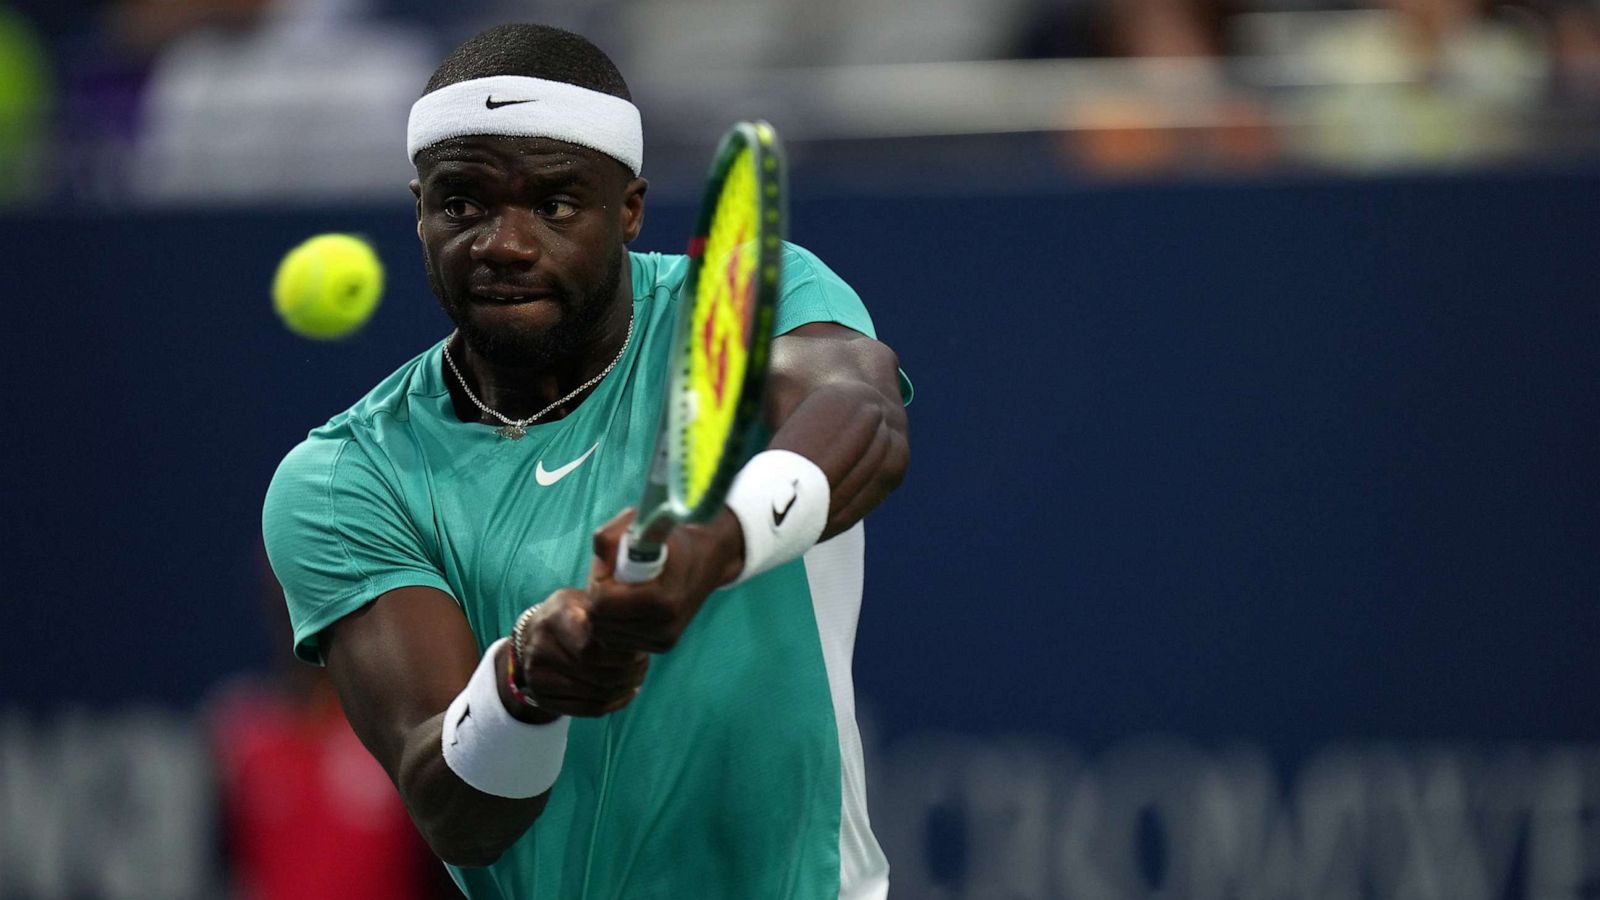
(718, 364)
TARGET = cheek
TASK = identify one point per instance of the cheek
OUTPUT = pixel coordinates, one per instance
(454, 254)
(590, 248)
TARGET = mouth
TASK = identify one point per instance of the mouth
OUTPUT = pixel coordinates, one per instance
(508, 296)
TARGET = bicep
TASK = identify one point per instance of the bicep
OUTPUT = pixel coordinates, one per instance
(397, 662)
(821, 354)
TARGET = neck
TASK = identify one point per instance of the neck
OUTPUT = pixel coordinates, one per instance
(518, 392)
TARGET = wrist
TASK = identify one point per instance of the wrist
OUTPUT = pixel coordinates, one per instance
(493, 751)
(513, 696)
(728, 535)
(781, 501)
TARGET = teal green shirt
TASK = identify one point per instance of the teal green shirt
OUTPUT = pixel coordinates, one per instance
(737, 771)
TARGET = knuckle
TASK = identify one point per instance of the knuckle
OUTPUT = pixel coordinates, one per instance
(568, 597)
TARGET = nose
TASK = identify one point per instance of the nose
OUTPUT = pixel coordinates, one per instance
(507, 239)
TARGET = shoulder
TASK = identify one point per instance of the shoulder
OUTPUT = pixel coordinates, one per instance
(658, 275)
(347, 449)
(303, 494)
(813, 292)
(655, 273)
(801, 265)
(404, 393)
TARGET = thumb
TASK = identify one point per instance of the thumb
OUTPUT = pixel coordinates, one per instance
(606, 540)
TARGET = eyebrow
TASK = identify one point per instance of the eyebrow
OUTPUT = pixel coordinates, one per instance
(456, 173)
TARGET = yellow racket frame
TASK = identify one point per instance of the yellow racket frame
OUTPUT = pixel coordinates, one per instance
(718, 366)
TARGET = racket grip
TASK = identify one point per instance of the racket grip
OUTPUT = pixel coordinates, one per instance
(631, 570)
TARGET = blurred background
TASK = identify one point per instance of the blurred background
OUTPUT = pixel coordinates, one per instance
(1251, 546)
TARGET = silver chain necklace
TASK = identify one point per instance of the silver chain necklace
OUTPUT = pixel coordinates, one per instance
(516, 428)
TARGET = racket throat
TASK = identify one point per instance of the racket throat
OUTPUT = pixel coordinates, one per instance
(645, 543)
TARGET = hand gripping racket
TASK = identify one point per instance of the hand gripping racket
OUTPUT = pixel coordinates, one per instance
(718, 364)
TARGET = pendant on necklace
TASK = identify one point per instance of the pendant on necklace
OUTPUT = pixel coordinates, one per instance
(512, 431)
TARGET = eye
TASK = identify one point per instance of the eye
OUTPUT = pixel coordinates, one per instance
(558, 209)
(460, 208)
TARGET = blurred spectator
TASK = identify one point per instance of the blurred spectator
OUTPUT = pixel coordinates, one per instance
(307, 103)
(1125, 28)
(1174, 108)
(308, 813)
(1575, 51)
(105, 68)
(26, 100)
(1417, 81)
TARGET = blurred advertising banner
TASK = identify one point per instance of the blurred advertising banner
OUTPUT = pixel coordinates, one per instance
(966, 817)
(129, 806)
(105, 805)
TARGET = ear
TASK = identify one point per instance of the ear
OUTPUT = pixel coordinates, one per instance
(416, 191)
(633, 208)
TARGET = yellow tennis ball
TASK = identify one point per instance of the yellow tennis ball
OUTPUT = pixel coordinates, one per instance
(328, 286)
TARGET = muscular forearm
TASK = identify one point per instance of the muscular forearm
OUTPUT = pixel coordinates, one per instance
(857, 436)
(463, 825)
(395, 706)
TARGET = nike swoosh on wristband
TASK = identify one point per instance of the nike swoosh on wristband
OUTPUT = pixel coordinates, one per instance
(549, 477)
(491, 103)
(779, 515)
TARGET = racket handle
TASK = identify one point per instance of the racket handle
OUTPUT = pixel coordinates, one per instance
(633, 570)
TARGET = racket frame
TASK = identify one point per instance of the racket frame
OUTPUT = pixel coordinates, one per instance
(663, 506)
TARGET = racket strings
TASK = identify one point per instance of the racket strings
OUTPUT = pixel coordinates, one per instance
(721, 333)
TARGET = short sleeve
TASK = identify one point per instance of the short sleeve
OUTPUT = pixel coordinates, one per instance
(338, 537)
(812, 292)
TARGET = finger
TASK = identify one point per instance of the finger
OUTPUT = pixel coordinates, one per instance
(580, 687)
(620, 702)
(585, 707)
(646, 625)
(613, 603)
(580, 684)
(575, 692)
(608, 668)
(569, 639)
(638, 637)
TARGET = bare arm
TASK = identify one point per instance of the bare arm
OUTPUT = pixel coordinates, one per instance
(834, 398)
(398, 662)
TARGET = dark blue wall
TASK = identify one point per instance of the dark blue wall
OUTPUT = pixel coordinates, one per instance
(1285, 461)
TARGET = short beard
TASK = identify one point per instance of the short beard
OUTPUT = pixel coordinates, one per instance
(541, 349)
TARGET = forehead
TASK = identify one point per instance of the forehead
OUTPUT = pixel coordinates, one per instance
(516, 157)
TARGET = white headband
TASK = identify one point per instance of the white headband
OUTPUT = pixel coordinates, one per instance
(517, 106)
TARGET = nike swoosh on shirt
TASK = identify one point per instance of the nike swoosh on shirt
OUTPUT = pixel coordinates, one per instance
(547, 477)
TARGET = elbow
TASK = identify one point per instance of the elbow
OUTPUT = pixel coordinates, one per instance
(468, 837)
(897, 455)
(453, 839)
(466, 854)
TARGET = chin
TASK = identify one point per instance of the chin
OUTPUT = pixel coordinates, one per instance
(528, 318)
(518, 340)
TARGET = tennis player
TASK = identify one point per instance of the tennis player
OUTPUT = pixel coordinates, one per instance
(446, 543)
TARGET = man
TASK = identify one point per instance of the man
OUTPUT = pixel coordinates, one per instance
(413, 531)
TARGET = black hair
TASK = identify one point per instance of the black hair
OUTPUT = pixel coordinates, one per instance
(535, 51)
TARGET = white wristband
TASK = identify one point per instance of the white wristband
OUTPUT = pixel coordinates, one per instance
(781, 500)
(492, 750)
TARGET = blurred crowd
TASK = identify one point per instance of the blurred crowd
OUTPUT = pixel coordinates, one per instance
(304, 101)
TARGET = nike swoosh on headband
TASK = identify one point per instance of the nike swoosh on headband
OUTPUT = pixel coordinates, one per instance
(491, 103)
